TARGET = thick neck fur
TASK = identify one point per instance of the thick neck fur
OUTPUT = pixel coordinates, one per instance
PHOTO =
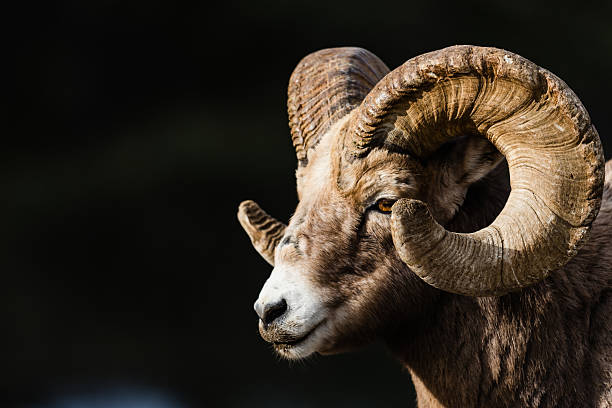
(546, 346)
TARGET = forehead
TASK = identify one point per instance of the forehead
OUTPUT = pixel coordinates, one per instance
(359, 181)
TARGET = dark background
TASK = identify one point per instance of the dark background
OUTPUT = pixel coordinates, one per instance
(134, 128)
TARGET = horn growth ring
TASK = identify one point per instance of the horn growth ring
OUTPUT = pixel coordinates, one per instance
(533, 118)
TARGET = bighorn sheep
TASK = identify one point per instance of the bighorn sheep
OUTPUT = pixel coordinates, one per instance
(452, 208)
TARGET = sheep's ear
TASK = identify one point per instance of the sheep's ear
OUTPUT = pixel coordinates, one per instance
(453, 168)
(475, 158)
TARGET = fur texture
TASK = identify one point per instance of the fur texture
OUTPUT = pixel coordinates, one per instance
(546, 346)
(549, 345)
(338, 273)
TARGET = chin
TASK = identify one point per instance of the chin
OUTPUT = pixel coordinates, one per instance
(313, 342)
(324, 340)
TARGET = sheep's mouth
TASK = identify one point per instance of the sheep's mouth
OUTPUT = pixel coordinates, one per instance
(285, 345)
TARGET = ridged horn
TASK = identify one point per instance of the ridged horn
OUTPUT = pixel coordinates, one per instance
(324, 87)
(532, 117)
(265, 231)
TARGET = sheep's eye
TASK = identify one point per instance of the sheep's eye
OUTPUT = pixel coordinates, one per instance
(384, 205)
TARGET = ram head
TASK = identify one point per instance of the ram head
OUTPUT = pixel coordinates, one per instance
(467, 170)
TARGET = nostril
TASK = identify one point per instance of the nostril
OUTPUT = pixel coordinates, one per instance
(273, 311)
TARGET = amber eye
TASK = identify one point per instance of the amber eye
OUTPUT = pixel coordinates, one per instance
(384, 205)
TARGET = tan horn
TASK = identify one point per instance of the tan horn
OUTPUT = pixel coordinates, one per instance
(533, 118)
(325, 86)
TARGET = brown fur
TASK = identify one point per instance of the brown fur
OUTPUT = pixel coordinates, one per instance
(549, 345)
(339, 278)
(546, 346)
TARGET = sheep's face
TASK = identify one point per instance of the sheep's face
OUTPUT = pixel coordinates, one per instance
(337, 280)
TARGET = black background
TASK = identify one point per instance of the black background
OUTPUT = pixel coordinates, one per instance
(134, 128)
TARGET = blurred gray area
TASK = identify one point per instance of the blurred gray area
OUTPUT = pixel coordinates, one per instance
(135, 129)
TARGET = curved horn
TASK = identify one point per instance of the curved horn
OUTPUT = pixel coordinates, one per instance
(553, 152)
(324, 87)
(264, 231)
